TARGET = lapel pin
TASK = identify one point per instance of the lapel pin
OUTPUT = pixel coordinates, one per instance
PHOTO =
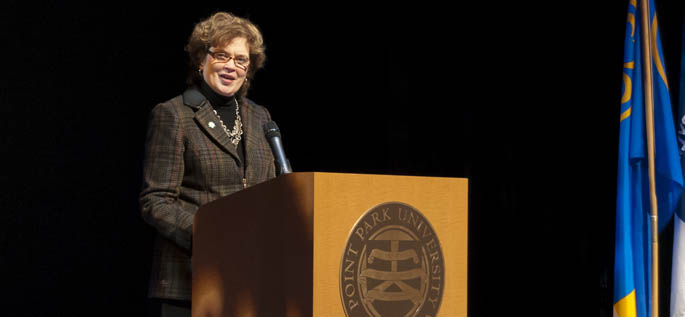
(211, 124)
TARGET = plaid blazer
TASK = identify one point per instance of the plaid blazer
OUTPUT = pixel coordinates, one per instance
(190, 161)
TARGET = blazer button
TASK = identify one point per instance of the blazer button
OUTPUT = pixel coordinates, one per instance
(211, 124)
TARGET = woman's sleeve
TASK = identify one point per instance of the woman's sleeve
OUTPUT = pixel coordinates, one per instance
(163, 170)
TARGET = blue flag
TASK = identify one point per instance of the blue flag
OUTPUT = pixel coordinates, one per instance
(678, 268)
(632, 277)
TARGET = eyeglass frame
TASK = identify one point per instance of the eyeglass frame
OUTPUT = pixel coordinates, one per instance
(230, 57)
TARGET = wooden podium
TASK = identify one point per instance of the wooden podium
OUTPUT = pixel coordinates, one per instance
(283, 247)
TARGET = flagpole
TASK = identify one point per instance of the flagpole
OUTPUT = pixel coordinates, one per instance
(649, 112)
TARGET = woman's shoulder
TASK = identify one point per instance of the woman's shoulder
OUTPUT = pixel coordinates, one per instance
(259, 111)
(250, 103)
(173, 102)
(173, 105)
(181, 104)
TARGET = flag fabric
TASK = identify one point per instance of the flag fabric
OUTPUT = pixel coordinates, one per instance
(632, 277)
(678, 267)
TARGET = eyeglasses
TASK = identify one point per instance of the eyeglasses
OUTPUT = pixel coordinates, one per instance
(240, 61)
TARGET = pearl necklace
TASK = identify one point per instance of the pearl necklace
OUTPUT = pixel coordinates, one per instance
(237, 132)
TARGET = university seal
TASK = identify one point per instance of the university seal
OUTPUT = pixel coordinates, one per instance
(392, 264)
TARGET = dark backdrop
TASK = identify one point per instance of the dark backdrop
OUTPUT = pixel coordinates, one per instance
(522, 99)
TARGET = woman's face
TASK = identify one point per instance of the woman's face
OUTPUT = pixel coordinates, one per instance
(224, 68)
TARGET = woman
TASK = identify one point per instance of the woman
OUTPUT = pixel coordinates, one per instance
(202, 145)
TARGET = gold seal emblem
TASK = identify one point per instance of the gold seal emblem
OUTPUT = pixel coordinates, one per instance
(392, 264)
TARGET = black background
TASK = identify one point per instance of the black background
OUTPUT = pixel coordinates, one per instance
(522, 99)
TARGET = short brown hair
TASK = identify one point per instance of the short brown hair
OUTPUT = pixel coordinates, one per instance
(218, 30)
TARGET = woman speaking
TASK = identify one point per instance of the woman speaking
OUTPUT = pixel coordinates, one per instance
(202, 145)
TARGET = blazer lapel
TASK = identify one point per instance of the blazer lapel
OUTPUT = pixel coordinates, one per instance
(210, 123)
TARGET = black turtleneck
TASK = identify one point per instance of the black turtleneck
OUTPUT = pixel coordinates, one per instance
(225, 106)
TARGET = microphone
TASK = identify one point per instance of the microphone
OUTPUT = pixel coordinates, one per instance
(273, 134)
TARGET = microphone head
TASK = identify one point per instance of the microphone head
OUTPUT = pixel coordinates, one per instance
(271, 130)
